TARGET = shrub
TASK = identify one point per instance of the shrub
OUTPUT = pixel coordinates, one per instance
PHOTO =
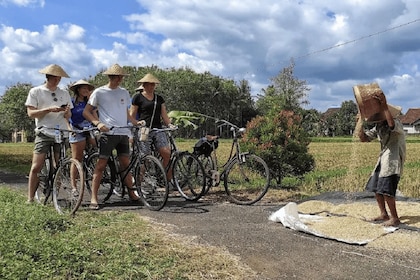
(282, 142)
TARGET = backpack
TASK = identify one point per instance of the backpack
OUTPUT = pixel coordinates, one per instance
(205, 147)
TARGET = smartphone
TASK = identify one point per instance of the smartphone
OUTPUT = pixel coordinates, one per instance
(63, 106)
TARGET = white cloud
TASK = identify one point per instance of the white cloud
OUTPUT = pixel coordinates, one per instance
(335, 44)
(23, 3)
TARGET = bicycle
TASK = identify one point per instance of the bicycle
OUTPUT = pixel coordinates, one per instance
(149, 177)
(187, 171)
(62, 178)
(245, 176)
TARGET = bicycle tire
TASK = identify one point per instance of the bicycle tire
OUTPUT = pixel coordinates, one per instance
(208, 165)
(247, 180)
(189, 176)
(110, 183)
(44, 188)
(151, 183)
(68, 186)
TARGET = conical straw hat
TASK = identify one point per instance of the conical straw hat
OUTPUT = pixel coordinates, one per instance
(140, 88)
(54, 70)
(115, 70)
(80, 83)
(149, 78)
(394, 110)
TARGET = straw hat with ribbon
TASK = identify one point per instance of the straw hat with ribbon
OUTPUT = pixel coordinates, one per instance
(149, 78)
(115, 70)
(54, 70)
(74, 86)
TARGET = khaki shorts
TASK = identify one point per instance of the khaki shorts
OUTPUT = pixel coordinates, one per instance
(43, 144)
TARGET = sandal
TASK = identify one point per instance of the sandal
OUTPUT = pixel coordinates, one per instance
(94, 206)
(137, 198)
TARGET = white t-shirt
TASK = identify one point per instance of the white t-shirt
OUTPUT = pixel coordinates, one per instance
(112, 105)
(41, 97)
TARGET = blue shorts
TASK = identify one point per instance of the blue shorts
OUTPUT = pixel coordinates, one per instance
(107, 143)
(79, 137)
(156, 138)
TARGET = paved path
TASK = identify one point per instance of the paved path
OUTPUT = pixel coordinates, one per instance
(270, 249)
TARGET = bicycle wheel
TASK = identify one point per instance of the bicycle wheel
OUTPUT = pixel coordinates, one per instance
(189, 176)
(68, 186)
(43, 191)
(209, 167)
(150, 181)
(247, 181)
(110, 183)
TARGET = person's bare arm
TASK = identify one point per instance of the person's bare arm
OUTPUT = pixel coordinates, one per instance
(164, 115)
(34, 112)
(91, 115)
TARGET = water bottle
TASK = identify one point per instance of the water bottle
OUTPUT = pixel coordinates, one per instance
(57, 134)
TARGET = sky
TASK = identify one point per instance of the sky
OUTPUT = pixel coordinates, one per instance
(335, 45)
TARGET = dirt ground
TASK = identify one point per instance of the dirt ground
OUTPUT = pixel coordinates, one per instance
(273, 251)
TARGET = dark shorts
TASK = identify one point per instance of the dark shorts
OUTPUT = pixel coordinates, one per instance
(107, 143)
(383, 185)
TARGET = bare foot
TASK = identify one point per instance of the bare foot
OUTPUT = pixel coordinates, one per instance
(394, 222)
(380, 218)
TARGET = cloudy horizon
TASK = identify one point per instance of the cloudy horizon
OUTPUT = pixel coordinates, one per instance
(334, 44)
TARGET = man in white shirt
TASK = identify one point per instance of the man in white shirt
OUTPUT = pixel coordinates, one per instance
(50, 106)
(111, 102)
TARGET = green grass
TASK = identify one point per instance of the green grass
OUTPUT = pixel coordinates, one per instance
(38, 243)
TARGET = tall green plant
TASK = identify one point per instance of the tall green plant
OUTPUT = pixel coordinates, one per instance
(282, 142)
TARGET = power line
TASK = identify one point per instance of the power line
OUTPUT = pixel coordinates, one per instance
(358, 39)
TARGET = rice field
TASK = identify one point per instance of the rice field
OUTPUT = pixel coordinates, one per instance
(340, 165)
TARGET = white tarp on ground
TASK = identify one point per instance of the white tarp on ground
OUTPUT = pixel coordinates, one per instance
(342, 228)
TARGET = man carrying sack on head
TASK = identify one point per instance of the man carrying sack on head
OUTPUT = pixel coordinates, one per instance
(389, 130)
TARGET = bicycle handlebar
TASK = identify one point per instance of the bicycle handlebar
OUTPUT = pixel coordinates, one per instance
(86, 129)
(233, 127)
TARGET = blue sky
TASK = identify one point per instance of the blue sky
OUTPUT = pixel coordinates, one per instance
(335, 44)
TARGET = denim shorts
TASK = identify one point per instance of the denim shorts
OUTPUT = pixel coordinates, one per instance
(78, 137)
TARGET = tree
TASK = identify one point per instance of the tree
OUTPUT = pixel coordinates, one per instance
(13, 110)
(279, 135)
(286, 93)
(346, 118)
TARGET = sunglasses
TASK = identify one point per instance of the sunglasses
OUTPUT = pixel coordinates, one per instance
(53, 95)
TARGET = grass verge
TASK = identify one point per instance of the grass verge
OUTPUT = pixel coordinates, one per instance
(38, 243)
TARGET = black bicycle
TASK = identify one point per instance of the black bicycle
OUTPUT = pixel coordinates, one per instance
(187, 171)
(61, 181)
(149, 177)
(246, 176)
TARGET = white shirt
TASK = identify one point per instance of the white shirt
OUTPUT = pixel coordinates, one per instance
(41, 97)
(112, 107)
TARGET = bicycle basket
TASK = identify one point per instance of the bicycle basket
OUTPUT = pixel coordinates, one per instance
(205, 147)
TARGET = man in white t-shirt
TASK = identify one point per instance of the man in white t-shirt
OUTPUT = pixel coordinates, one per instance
(50, 106)
(112, 103)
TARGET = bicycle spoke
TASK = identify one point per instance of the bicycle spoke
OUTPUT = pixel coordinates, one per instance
(68, 187)
(151, 183)
(247, 180)
(189, 176)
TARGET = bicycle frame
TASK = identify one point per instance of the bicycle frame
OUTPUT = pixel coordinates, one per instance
(235, 153)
